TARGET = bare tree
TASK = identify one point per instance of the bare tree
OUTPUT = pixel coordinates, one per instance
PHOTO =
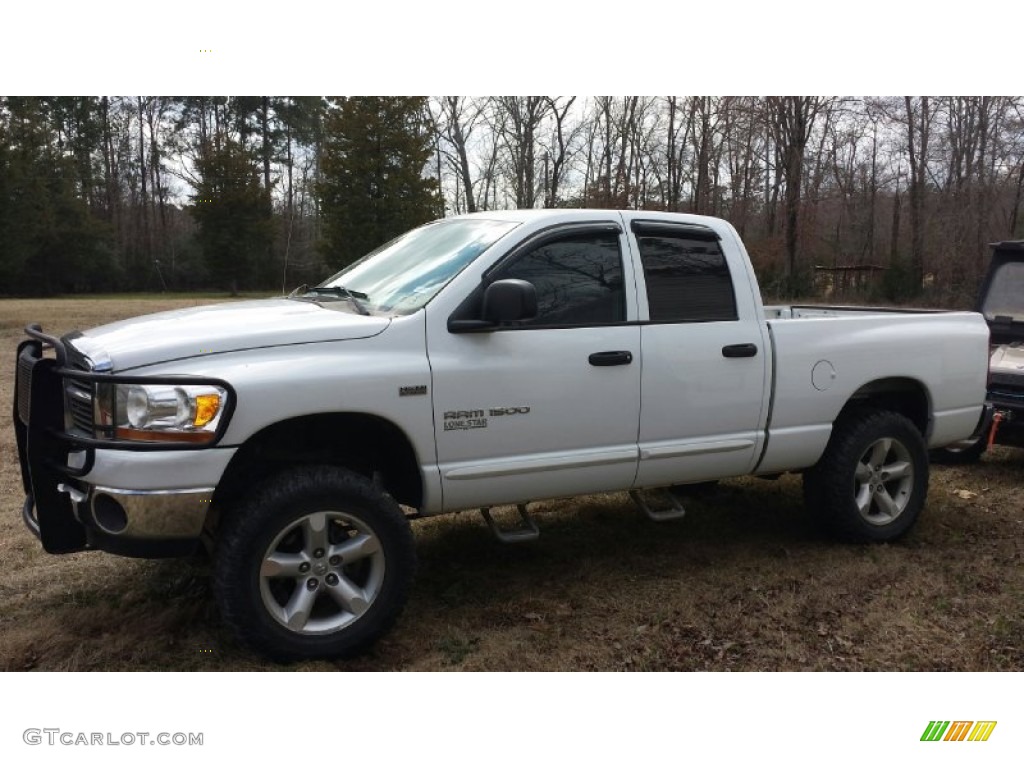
(741, 145)
(459, 116)
(791, 119)
(519, 133)
(918, 126)
(561, 147)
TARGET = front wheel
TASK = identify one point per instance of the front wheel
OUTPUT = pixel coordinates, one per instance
(872, 480)
(316, 564)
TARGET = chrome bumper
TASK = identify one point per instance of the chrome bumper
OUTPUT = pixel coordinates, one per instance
(167, 514)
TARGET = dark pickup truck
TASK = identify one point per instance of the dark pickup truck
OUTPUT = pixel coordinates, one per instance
(1001, 301)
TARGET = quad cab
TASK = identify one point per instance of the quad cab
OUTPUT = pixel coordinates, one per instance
(491, 359)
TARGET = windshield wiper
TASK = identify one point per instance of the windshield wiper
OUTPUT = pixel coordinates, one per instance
(334, 290)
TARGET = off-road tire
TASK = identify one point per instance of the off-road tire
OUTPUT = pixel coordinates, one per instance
(835, 489)
(278, 522)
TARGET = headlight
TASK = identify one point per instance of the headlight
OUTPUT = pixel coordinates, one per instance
(160, 412)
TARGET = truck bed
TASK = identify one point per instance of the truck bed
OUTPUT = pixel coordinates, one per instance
(822, 357)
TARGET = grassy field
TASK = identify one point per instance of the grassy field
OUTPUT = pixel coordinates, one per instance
(744, 582)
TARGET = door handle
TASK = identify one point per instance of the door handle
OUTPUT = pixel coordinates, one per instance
(739, 350)
(611, 358)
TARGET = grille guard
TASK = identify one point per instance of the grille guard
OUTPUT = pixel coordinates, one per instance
(44, 443)
(41, 342)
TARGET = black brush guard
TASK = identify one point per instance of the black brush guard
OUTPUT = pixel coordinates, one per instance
(44, 444)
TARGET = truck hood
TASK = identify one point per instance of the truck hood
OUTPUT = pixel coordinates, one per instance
(218, 328)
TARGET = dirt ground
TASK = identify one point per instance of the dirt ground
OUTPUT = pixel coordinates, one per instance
(744, 582)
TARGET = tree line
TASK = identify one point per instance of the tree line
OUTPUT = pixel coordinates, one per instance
(266, 192)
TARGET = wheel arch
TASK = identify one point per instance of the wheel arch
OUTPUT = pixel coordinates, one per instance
(904, 395)
(365, 443)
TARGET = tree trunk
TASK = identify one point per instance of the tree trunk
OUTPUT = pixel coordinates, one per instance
(145, 246)
(918, 167)
(1017, 195)
(894, 238)
(458, 139)
(266, 143)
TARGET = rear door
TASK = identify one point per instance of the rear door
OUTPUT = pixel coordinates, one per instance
(704, 374)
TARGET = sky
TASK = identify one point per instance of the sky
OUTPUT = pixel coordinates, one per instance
(471, 47)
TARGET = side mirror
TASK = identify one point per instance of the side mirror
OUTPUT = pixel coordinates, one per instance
(509, 301)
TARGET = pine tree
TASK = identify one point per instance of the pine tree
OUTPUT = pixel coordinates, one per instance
(372, 184)
(233, 212)
(49, 241)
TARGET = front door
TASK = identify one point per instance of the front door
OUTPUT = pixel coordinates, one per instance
(549, 407)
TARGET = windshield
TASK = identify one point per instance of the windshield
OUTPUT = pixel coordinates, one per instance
(1006, 292)
(402, 275)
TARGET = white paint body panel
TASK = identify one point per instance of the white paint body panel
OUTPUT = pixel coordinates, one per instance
(569, 442)
(681, 438)
(679, 412)
(278, 383)
(946, 353)
(159, 470)
(218, 328)
(581, 432)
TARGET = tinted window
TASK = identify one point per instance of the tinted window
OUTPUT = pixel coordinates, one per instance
(687, 279)
(578, 280)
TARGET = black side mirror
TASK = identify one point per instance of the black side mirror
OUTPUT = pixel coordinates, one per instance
(509, 301)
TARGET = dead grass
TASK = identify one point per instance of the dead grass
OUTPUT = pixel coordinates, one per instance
(744, 582)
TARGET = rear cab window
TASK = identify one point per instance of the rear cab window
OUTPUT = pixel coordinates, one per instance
(686, 273)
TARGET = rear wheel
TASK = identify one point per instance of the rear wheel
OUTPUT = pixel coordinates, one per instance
(317, 563)
(872, 480)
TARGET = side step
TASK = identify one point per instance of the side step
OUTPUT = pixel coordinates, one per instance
(674, 511)
(528, 531)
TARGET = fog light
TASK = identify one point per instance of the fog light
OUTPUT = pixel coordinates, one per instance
(109, 514)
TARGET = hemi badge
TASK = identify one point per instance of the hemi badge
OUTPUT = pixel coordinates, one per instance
(419, 389)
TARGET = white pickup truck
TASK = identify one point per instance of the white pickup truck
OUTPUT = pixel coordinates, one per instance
(482, 360)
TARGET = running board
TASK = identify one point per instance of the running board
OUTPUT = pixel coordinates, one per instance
(528, 531)
(673, 512)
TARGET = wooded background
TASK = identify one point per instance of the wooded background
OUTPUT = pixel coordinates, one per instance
(127, 193)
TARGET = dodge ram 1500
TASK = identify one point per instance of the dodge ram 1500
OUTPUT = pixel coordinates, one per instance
(482, 360)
